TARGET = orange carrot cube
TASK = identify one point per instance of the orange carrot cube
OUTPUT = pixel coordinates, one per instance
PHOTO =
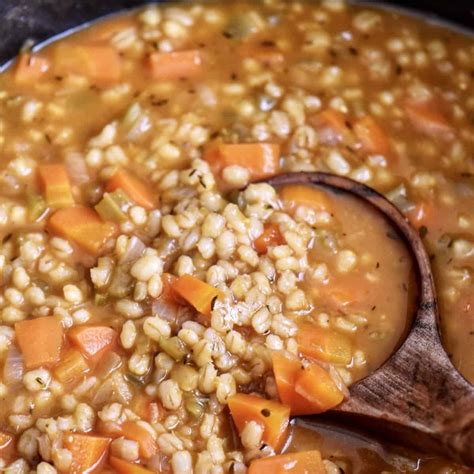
(175, 65)
(273, 416)
(40, 341)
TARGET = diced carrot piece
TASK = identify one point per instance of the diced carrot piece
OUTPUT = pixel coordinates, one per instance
(6, 445)
(147, 408)
(146, 443)
(100, 63)
(262, 160)
(306, 462)
(316, 385)
(88, 452)
(124, 467)
(93, 341)
(84, 227)
(427, 117)
(134, 188)
(141, 405)
(168, 280)
(40, 341)
(331, 125)
(424, 213)
(108, 428)
(197, 293)
(169, 293)
(30, 68)
(270, 237)
(71, 368)
(371, 136)
(55, 185)
(175, 65)
(295, 195)
(327, 345)
(103, 63)
(269, 55)
(273, 416)
(286, 369)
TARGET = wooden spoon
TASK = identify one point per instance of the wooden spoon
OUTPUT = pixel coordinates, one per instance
(416, 397)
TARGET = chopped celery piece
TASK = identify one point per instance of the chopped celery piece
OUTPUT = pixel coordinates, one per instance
(174, 347)
(36, 206)
(113, 206)
(233, 196)
(243, 25)
(194, 405)
(121, 283)
(100, 299)
(139, 381)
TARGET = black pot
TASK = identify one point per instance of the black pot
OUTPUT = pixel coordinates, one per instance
(40, 19)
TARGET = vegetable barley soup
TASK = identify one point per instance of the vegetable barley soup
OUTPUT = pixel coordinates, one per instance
(161, 310)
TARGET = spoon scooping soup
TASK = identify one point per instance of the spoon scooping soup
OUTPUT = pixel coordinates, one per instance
(417, 393)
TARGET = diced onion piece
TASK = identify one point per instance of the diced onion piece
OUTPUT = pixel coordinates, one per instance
(14, 367)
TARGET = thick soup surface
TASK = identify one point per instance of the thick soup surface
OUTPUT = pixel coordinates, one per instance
(160, 310)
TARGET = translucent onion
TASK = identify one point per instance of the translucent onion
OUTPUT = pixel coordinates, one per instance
(158, 463)
(77, 169)
(168, 250)
(104, 393)
(207, 96)
(327, 136)
(139, 127)
(465, 189)
(114, 389)
(337, 379)
(166, 310)
(134, 250)
(14, 367)
(398, 196)
(110, 362)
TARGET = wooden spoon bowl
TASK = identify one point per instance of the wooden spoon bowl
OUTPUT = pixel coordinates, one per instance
(417, 397)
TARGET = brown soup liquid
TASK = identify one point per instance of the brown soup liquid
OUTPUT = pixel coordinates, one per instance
(360, 276)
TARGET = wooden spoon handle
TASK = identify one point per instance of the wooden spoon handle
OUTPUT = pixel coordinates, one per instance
(417, 397)
(457, 434)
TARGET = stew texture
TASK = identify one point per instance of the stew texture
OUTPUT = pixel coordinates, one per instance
(160, 310)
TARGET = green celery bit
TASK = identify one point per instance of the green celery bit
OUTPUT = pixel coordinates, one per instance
(100, 299)
(243, 25)
(121, 283)
(174, 347)
(112, 206)
(139, 381)
(36, 206)
(194, 406)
